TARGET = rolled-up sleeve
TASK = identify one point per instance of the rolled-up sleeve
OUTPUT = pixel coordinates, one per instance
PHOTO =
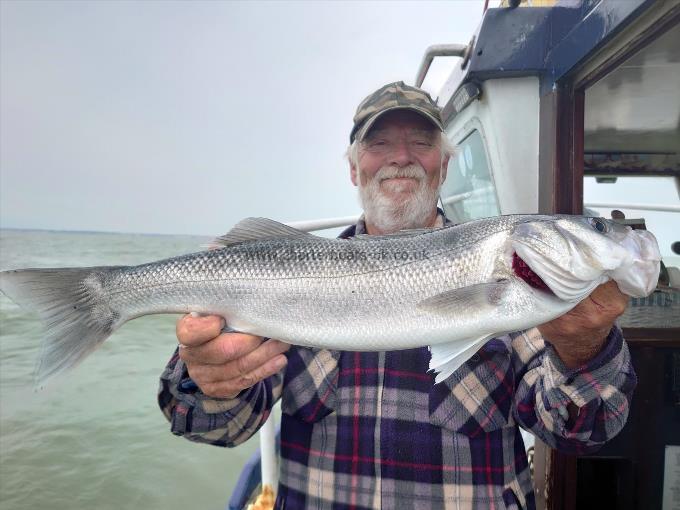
(599, 393)
(204, 419)
(310, 380)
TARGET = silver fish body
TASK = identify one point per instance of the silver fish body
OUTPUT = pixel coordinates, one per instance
(449, 288)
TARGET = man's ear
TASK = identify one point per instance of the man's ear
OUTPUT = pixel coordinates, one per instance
(353, 174)
(444, 169)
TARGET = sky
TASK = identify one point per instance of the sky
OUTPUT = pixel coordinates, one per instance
(185, 117)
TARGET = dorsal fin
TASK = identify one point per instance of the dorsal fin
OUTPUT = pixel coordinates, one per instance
(255, 229)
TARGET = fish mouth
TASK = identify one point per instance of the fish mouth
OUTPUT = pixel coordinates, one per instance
(523, 271)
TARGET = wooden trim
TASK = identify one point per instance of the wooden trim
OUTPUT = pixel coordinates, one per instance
(562, 482)
(565, 187)
(547, 152)
(561, 148)
(652, 337)
(632, 172)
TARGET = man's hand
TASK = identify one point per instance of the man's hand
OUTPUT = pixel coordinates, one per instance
(579, 335)
(224, 364)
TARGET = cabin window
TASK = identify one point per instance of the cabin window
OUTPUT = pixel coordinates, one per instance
(468, 192)
(653, 198)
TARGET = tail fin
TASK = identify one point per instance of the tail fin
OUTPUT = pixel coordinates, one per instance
(74, 309)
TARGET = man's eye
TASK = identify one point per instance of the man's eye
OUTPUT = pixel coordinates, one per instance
(377, 143)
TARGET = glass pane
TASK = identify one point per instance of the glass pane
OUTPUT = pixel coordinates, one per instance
(651, 191)
(468, 192)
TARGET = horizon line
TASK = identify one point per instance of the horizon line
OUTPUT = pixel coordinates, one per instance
(76, 231)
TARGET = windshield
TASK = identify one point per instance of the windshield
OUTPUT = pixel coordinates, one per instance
(468, 192)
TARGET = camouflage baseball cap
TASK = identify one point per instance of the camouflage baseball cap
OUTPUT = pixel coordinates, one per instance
(394, 96)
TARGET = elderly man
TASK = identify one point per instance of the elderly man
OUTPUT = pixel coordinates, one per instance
(371, 429)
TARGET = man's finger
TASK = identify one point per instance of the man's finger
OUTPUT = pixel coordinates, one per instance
(193, 331)
(226, 347)
(260, 356)
(231, 388)
(240, 367)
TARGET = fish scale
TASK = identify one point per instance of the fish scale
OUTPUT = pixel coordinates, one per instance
(450, 288)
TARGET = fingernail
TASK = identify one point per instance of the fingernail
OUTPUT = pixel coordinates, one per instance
(282, 345)
(195, 314)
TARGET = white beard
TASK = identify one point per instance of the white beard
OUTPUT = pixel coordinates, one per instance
(389, 215)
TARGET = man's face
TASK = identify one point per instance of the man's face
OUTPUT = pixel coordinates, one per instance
(399, 139)
(400, 170)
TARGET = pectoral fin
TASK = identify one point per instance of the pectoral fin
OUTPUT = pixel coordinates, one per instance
(475, 297)
(448, 357)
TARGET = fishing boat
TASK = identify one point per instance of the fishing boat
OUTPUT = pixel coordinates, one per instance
(554, 105)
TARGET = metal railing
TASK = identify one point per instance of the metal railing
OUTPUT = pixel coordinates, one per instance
(438, 50)
(637, 207)
(344, 221)
(323, 224)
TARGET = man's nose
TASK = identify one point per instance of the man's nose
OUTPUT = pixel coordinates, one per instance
(401, 154)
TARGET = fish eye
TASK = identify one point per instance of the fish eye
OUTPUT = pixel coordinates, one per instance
(599, 225)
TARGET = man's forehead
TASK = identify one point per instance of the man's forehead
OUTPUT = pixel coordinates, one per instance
(402, 119)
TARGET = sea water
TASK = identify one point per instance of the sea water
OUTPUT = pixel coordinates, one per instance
(94, 438)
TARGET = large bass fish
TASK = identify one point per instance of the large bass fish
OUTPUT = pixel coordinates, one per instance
(450, 288)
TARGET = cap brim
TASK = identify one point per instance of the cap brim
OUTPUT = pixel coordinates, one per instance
(368, 123)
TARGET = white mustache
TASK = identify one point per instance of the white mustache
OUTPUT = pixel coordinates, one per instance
(393, 172)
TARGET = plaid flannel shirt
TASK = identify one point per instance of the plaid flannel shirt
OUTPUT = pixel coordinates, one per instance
(366, 430)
